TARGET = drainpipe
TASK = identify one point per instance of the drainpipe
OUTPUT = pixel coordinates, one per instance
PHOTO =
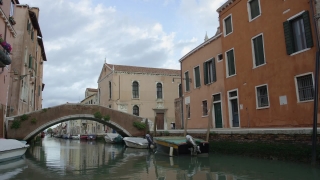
(315, 104)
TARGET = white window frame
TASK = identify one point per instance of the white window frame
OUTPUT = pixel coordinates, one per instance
(218, 57)
(234, 59)
(194, 77)
(224, 26)
(213, 112)
(230, 108)
(253, 54)
(256, 88)
(202, 108)
(249, 10)
(296, 84)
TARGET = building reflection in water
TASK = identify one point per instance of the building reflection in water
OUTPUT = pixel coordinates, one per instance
(76, 159)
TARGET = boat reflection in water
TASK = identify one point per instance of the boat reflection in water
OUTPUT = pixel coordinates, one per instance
(69, 159)
(10, 169)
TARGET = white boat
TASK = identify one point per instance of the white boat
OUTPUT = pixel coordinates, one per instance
(75, 137)
(113, 138)
(11, 149)
(136, 142)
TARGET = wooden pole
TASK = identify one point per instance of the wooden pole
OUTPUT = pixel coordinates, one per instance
(209, 119)
(155, 126)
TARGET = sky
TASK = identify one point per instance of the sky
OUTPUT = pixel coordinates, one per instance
(80, 35)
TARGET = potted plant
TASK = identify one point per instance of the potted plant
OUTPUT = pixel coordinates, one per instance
(12, 21)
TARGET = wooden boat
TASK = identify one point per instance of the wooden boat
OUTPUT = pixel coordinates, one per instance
(136, 142)
(113, 138)
(11, 149)
(83, 137)
(178, 145)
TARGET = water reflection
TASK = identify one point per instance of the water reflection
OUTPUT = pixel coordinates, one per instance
(10, 169)
(74, 159)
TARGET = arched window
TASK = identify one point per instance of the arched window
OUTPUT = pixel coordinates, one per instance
(136, 110)
(159, 91)
(135, 89)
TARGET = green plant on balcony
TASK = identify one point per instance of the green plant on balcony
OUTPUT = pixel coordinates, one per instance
(33, 121)
(24, 117)
(15, 124)
(12, 21)
(97, 115)
(106, 117)
(139, 125)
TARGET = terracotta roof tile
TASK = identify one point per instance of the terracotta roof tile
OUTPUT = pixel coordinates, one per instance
(148, 70)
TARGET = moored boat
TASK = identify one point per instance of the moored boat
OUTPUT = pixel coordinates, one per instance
(179, 145)
(83, 137)
(136, 142)
(76, 137)
(11, 149)
(113, 138)
(91, 137)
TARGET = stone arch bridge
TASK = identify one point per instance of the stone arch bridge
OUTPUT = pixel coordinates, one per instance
(42, 119)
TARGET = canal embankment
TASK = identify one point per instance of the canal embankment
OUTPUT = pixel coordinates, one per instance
(285, 144)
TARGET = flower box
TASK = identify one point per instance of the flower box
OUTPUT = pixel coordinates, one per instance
(4, 58)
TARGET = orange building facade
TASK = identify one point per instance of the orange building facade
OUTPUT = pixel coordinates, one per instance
(270, 63)
(266, 74)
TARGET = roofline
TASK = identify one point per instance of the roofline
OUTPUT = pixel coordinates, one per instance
(35, 22)
(88, 97)
(225, 5)
(200, 46)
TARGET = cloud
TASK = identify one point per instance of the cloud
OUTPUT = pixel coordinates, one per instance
(80, 34)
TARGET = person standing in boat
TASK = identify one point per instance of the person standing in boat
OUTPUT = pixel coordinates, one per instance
(150, 141)
(190, 141)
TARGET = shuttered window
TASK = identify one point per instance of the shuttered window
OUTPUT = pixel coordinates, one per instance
(298, 34)
(228, 25)
(30, 61)
(231, 70)
(204, 108)
(254, 8)
(305, 87)
(186, 75)
(197, 76)
(209, 71)
(258, 50)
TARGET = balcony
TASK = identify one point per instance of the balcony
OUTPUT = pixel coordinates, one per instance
(4, 58)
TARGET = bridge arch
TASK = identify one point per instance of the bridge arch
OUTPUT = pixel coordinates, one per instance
(38, 121)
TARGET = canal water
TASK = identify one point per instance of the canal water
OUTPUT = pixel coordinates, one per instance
(73, 159)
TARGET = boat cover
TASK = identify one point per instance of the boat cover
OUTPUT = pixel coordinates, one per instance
(8, 144)
(177, 140)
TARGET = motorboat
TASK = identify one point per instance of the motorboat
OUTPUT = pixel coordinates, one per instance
(91, 137)
(11, 149)
(136, 142)
(75, 137)
(113, 138)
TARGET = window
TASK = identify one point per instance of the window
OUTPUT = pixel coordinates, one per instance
(220, 57)
(262, 96)
(188, 110)
(11, 9)
(298, 35)
(32, 34)
(305, 89)
(110, 88)
(135, 89)
(227, 25)
(204, 108)
(258, 50)
(29, 26)
(30, 61)
(197, 76)
(180, 90)
(209, 71)
(231, 67)
(159, 91)
(136, 110)
(254, 9)
(186, 75)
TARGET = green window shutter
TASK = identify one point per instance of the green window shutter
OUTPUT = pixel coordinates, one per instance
(197, 74)
(187, 81)
(307, 29)
(205, 73)
(258, 50)
(231, 65)
(30, 61)
(288, 37)
(214, 76)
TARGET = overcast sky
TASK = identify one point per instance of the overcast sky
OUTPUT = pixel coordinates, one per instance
(79, 35)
